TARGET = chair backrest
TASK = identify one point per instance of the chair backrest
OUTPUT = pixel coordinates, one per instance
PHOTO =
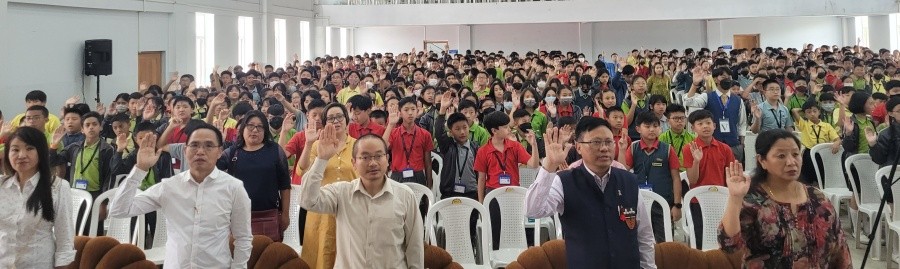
(291, 235)
(884, 172)
(866, 191)
(437, 163)
(537, 228)
(712, 200)
(79, 198)
(527, 176)
(421, 190)
(685, 178)
(119, 179)
(436, 185)
(160, 236)
(830, 172)
(649, 198)
(511, 200)
(120, 229)
(749, 151)
(455, 214)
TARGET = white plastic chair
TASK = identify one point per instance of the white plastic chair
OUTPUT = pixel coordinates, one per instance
(81, 197)
(435, 185)
(511, 200)
(437, 159)
(455, 214)
(119, 179)
(292, 234)
(527, 176)
(684, 235)
(830, 175)
(420, 190)
(712, 200)
(120, 229)
(749, 151)
(867, 197)
(651, 197)
(893, 220)
(157, 251)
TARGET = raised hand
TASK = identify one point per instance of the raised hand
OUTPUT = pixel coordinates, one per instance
(175, 122)
(698, 74)
(556, 147)
(393, 116)
(754, 109)
(173, 76)
(531, 138)
(58, 135)
(515, 97)
(551, 108)
(696, 151)
(446, 100)
(328, 142)
(143, 86)
(312, 132)
(72, 100)
(848, 125)
(121, 141)
(871, 136)
(147, 155)
(738, 183)
(623, 142)
(101, 109)
(565, 135)
(288, 123)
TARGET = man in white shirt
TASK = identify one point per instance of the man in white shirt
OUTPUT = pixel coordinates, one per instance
(203, 206)
(378, 220)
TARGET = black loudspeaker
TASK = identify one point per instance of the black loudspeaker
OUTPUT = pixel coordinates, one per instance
(98, 57)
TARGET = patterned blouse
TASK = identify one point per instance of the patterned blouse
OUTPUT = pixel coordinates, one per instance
(774, 237)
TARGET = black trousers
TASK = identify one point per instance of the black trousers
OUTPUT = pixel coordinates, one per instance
(808, 172)
(657, 220)
(698, 224)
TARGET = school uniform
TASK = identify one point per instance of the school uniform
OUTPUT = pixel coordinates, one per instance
(653, 164)
(501, 170)
(716, 156)
(408, 152)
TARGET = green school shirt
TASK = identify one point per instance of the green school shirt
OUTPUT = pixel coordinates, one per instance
(678, 142)
(538, 123)
(148, 181)
(863, 124)
(479, 134)
(87, 167)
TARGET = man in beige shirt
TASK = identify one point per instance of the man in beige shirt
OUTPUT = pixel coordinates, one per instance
(378, 220)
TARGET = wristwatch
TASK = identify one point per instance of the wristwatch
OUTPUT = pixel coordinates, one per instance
(676, 205)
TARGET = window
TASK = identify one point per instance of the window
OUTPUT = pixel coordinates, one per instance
(327, 40)
(862, 30)
(205, 33)
(245, 40)
(344, 42)
(280, 42)
(304, 41)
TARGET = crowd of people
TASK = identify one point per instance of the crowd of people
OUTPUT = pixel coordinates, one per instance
(219, 161)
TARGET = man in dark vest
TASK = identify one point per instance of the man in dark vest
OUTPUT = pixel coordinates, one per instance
(605, 223)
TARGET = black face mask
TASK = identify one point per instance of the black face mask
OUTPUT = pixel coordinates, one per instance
(745, 73)
(517, 86)
(525, 127)
(792, 76)
(305, 81)
(201, 101)
(879, 76)
(821, 75)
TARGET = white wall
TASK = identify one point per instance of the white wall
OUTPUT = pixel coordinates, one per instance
(525, 37)
(622, 37)
(778, 31)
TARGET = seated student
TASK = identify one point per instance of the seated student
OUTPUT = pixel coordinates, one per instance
(72, 126)
(458, 178)
(36, 98)
(705, 171)
(476, 131)
(677, 136)
(616, 119)
(121, 126)
(378, 117)
(813, 131)
(410, 161)
(771, 114)
(827, 103)
(658, 106)
(90, 165)
(523, 125)
(360, 106)
(884, 151)
(123, 160)
(497, 163)
(656, 166)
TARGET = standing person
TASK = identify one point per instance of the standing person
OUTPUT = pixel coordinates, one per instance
(728, 113)
(203, 206)
(360, 107)
(36, 229)
(38, 98)
(704, 171)
(772, 208)
(319, 246)
(458, 178)
(410, 161)
(378, 220)
(603, 216)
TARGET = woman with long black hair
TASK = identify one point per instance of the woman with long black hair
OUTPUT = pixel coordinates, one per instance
(36, 229)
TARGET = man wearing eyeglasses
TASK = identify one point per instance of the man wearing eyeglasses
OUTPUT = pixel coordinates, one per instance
(604, 220)
(378, 220)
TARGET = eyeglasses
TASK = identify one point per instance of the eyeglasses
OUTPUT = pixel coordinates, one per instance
(252, 127)
(599, 144)
(369, 158)
(202, 146)
(335, 118)
(680, 118)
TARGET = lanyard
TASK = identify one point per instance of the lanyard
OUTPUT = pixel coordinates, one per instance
(408, 151)
(777, 117)
(815, 132)
(84, 166)
(723, 106)
(502, 165)
(672, 142)
(464, 162)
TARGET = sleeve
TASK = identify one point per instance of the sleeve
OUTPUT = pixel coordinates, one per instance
(673, 158)
(851, 141)
(415, 237)
(742, 120)
(687, 157)
(125, 204)
(729, 155)
(240, 227)
(625, 106)
(222, 162)
(629, 156)
(428, 143)
(481, 162)
(63, 228)
(789, 119)
(698, 100)
(522, 154)
(749, 230)
(880, 152)
(440, 133)
(176, 150)
(282, 172)
(646, 241)
(545, 196)
(295, 145)
(313, 196)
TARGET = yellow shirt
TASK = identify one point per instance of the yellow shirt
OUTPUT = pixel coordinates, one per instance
(50, 126)
(346, 93)
(812, 134)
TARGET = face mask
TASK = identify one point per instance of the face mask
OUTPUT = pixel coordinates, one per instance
(200, 102)
(305, 81)
(541, 84)
(829, 107)
(821, 75)
(293, 88)
(417, 92)
(549, 99)
(432, 82)
(879, 76)
(801, 89)
(529, 102)
(272, 83)
(508, 105)
(525, 127)
(123, 108)
(581, 59)
(566, 99)
(849, 84)
(792, 76)
(517, 86)
(369, 84)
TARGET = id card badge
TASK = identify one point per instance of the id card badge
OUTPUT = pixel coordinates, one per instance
(459, 188)
(81, 184)
(723, 126)
(505, 179)
(646, 186)
(407, 173)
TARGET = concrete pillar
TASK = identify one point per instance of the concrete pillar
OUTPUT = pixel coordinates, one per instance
(879, 32)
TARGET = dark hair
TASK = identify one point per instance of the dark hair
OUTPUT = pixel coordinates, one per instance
(42, 197)
(207, 126)
(267, 135)
(143, 126)
(892, 103)
(406, 100)
(879, 96)
(36, 95)
(240, 109)
(646, 117)
(378, 114)
(567, 120)
(534, 94)
(317, 103)
(368, 137)
(810, 104)
(92, 114)
(339, 106)
(827, 96)
(656, 98)
(857, 104)
(456, 117)
(181, 98)
(68, 110)
(674, 108)
(494, 120)
(764, 143)
(40, 108)
(610, 110)
(315, 95)
(587, 124)
(123, 96)
(518, 113)
(464, 103)
(699, 115)
(121, 117)
(361, 102)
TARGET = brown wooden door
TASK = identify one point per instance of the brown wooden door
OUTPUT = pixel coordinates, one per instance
(150, 67)
(746, 41)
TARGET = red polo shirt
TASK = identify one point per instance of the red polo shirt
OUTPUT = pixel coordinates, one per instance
(673, 158)
(487, 161)
(356, 131)
(416, 143)
(177, 136)
(716, 156)
(295, 147)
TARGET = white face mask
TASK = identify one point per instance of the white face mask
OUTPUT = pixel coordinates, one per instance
(272, 83)
(369, 84)
(417, 92)
(433, 82)
(848, 84)
(541, 84)
(549, 99)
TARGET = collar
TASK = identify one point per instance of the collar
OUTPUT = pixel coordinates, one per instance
(213, 175)
(411, 131)
(673, 134)
(492, 149)
(95, 145)
(727, 94)
(13, 181)
(652, 146)
(388, 188)
(600, 179)
(702, 144)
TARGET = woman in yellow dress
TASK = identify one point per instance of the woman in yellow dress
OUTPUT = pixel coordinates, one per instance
(319, 246)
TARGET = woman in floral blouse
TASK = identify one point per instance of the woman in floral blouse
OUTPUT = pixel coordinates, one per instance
(778, 221)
